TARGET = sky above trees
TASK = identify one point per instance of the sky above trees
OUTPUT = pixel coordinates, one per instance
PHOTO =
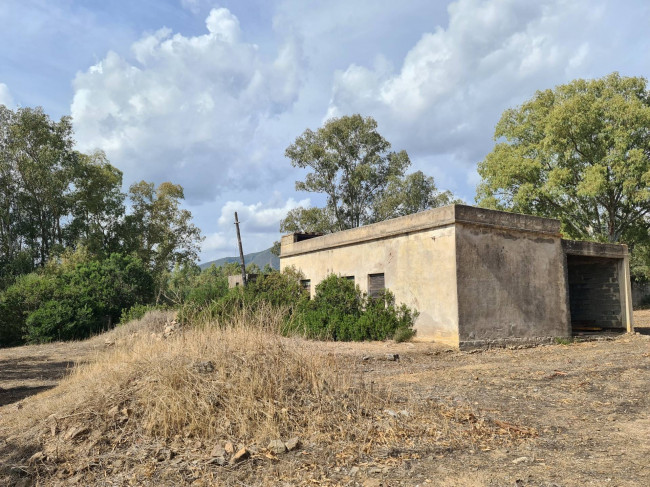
(209, 94)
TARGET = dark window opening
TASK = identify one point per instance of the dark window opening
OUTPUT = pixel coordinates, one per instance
(306, 285)
(376, 285)
(594, 295)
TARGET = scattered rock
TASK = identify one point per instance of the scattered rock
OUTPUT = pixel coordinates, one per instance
(229, 447)
(365, 358)
(218, 451)
(519, 460)
(240, 456)
(75, 431)
(204, 367)
(392, 357)
(36, 457)
(221, 461)
(277, 446)
(293, 443)
(171, 328)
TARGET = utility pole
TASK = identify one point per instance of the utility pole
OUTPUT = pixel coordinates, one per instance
(241, 253)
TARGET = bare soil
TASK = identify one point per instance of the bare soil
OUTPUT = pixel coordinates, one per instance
(588, 404)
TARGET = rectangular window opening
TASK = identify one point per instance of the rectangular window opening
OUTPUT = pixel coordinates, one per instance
(306, 285)
(376, 285)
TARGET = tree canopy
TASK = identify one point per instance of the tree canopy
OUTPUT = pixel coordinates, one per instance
(365, 182)
(72, 257)
(579, 153)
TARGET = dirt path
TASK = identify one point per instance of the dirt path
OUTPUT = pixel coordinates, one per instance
(589, 402)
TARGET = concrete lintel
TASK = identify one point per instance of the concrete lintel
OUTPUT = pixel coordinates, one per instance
(594, 249)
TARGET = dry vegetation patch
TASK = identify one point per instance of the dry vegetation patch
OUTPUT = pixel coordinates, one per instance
(151, 410)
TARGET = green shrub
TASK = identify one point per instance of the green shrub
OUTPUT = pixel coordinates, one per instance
(73, 298)
(340, 311)
(137, 311)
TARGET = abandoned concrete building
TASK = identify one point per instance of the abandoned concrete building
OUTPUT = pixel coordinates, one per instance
(477, 277)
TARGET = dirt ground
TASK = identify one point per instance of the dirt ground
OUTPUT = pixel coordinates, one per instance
(588, 401)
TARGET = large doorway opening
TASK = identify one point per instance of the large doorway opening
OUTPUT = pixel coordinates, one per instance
(595, 295)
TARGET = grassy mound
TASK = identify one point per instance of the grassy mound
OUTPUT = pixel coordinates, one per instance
(168, 406)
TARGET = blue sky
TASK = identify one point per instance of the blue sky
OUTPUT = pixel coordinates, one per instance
(209, 94)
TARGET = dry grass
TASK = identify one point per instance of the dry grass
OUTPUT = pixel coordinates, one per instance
(152, 409)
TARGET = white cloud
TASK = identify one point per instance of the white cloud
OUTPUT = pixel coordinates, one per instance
(259, 224)
(188, 109)
(259, 217)
(5, 96)
(454, 83)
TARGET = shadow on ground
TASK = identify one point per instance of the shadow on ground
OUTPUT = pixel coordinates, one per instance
(26, 376)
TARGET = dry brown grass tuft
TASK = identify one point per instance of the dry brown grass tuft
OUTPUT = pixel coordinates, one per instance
(153, 409)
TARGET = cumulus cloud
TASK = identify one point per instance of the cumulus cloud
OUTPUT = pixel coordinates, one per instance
(188, 108)
(454, 83)
(5, 96)
(259, 224)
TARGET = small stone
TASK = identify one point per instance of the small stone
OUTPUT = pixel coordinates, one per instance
(519, 460)
(277, 446)
(392, 357)
(39, 455)
(293, 443)
(374, 471)
(221, 461)
(75, 431)
(218, 451)
(240, 456)
(365, 358)
(229, 447)
(204, 367)
(354, 471)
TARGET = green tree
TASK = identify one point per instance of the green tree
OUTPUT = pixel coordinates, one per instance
(98, 204)
(351, 163)
(410, 194)
(364, 181)
(159, 232)
(36, 171)
(580, 153)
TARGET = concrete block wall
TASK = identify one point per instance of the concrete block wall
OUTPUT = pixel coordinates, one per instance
(594, 292)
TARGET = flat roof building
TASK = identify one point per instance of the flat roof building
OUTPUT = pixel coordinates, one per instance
(477, 277)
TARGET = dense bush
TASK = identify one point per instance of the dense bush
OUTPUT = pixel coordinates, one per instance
(339, 310)
(278, 289)
(72, 298)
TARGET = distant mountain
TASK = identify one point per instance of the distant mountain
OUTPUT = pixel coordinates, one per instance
(260, 258)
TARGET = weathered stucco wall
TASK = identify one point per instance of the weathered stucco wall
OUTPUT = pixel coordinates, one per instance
(511, 284)
(418, 266)
(478, 277)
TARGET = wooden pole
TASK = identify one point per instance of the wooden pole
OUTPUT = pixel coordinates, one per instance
(241, 253)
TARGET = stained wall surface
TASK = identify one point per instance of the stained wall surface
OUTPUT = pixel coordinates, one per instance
(511, 285)
(477, 277)
(418, 266)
